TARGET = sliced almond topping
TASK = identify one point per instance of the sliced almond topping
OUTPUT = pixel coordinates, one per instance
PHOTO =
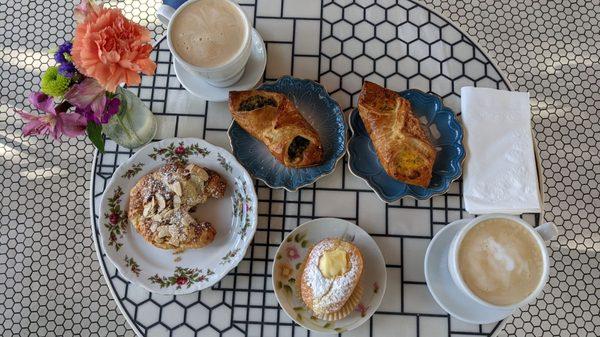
(161, 202)
(154, 226)
(173, 230)
(197, 171)
(176, 202)
(202, 174)
(163, 231)
(177, 234)
(187, 220)
(157, 217)
(176, 187)
(167, 213)
(149, 208)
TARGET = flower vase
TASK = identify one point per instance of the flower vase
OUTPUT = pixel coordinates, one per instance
(134, 125)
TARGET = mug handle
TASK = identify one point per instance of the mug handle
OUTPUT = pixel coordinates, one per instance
(165, 12)
(547, 231)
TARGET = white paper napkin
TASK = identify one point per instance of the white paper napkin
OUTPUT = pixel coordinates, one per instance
(500, 171)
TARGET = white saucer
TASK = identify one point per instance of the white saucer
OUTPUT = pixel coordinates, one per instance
(444, 290)
(291, 253)
(252, 75)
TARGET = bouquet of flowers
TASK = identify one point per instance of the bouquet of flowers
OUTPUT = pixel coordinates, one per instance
(82, 92)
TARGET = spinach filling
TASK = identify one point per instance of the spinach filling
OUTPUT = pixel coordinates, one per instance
(297, 147)
(255, 102)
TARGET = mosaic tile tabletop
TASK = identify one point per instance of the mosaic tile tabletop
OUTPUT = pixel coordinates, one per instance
(51, 280)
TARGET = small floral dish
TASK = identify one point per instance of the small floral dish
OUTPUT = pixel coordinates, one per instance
(320, 110)
(445, 133)
(161, 271)
(288, 260)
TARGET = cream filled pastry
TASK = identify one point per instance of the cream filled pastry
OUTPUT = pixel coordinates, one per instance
(329, 284)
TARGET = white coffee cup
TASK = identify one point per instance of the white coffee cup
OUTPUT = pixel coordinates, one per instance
(223, 75)
(544, 232)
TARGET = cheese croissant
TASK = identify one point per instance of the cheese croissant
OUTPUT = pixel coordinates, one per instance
(402, 146)
(274, 120)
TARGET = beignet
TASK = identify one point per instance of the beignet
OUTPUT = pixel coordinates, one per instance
(403, 148)
(274, 120)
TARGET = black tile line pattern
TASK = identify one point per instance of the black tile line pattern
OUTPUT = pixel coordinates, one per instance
(254, 255)
(521, 36)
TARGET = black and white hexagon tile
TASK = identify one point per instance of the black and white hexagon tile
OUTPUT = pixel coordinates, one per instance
(550, 49)
(50, 279)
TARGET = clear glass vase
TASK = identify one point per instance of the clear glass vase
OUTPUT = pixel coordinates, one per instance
(134, 125)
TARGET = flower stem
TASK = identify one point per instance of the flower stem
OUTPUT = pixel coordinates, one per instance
(63, 107)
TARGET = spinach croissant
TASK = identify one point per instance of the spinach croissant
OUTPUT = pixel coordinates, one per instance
(274, 120)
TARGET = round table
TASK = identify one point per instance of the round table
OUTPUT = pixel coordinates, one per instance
(338, 44)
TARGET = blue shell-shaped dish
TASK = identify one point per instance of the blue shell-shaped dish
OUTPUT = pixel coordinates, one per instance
(320, 110)
(446, 135)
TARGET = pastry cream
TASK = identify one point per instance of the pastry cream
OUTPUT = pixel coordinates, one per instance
(333, 263)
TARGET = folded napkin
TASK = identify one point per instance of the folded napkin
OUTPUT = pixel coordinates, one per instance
(500, 173)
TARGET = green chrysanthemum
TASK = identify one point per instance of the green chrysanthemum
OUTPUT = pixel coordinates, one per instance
(54, 84)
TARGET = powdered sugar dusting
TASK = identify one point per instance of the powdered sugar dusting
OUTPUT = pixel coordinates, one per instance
(329, 294)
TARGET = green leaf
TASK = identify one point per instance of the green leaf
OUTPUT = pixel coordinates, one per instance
(94, 132)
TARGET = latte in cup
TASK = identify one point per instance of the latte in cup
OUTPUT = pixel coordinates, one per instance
(500, 261)
(208, 33)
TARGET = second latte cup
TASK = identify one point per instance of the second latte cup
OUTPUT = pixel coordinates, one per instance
(225, 74)
(540, 234)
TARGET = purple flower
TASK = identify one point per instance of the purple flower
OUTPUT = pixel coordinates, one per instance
(63, 58)
(67, 70)
(63, 49)
(87, 94)
(112, 108)
(53, 123)
(102, 117)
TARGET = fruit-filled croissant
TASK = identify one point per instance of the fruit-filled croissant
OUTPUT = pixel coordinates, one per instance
(274, 120)
(403, 148)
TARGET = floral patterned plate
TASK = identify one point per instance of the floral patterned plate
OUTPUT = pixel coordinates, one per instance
(290, 255)
(234, 218)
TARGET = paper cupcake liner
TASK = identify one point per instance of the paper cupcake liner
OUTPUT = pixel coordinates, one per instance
(347, 308)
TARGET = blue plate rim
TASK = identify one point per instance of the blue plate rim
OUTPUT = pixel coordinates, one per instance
(429, 196)
(325, 173)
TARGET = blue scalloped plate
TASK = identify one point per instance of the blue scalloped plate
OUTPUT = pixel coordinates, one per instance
(446, 135)
(320, 110)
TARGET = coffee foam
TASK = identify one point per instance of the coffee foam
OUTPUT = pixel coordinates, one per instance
(208, 33)
(500, 261)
